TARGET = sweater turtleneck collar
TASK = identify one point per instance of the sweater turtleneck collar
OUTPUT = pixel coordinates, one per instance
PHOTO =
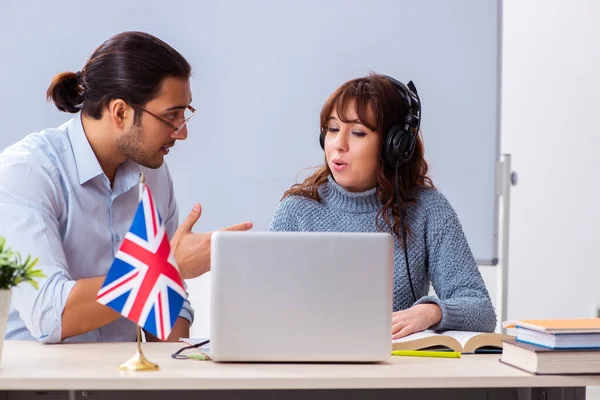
(358, 202)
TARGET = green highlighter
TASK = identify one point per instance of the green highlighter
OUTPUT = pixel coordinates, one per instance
(200, 357)
(425, 353)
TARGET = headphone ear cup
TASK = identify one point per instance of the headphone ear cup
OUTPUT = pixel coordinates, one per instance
(322, 140)
(399, 146)
(407, 145)
(390, 149)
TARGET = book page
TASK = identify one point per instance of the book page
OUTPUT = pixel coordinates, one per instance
(427, 340)
(479, 342)
(462, 336)
(415, 336)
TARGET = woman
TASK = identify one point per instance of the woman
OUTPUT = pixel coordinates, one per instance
(375, 179)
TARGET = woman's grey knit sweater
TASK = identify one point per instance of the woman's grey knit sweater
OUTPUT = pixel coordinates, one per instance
(438, 251)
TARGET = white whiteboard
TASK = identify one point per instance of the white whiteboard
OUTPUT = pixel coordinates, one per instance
(262, 71)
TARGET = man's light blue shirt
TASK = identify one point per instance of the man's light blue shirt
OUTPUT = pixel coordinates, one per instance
(57, 204)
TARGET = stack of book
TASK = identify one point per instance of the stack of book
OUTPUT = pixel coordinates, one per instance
(566, 346)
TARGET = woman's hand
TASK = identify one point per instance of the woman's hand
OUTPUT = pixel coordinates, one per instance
(415, 319)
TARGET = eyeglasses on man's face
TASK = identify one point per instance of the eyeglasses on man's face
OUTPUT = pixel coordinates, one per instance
(175, 120)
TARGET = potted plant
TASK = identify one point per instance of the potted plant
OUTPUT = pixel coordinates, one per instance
(13, 271)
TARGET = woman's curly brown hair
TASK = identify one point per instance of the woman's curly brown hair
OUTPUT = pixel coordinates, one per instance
(389, 108)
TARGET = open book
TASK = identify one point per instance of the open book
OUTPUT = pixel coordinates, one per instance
(459, 341)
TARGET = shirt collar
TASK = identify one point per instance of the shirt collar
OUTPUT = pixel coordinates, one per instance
(128, 176)
(87, 164)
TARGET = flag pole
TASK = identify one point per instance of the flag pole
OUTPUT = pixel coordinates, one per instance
(138, 362)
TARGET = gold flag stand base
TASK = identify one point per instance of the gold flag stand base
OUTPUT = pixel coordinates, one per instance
(138, 362)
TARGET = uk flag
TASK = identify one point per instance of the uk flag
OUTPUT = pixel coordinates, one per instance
(144, 283)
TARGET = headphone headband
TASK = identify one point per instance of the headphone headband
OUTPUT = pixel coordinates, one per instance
(412, 100)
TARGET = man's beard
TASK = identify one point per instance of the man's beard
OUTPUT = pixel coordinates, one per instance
(131, 145)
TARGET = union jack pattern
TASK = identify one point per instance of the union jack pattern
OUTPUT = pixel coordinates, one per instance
(144, 283)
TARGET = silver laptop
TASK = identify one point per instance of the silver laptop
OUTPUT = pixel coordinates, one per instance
(301, 297)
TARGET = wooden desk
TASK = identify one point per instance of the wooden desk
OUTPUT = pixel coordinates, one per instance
(90, 370)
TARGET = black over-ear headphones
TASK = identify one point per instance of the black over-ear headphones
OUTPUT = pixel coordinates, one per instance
(400, 139)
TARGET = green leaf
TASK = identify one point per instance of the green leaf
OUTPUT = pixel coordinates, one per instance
(13, 271)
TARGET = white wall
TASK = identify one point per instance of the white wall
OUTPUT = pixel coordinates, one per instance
(551, 83)
(550, 103)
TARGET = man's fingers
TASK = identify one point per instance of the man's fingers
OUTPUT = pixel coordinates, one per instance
(191, 219)
(239, 227)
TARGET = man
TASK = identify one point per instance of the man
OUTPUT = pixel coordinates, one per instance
(67, 195)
